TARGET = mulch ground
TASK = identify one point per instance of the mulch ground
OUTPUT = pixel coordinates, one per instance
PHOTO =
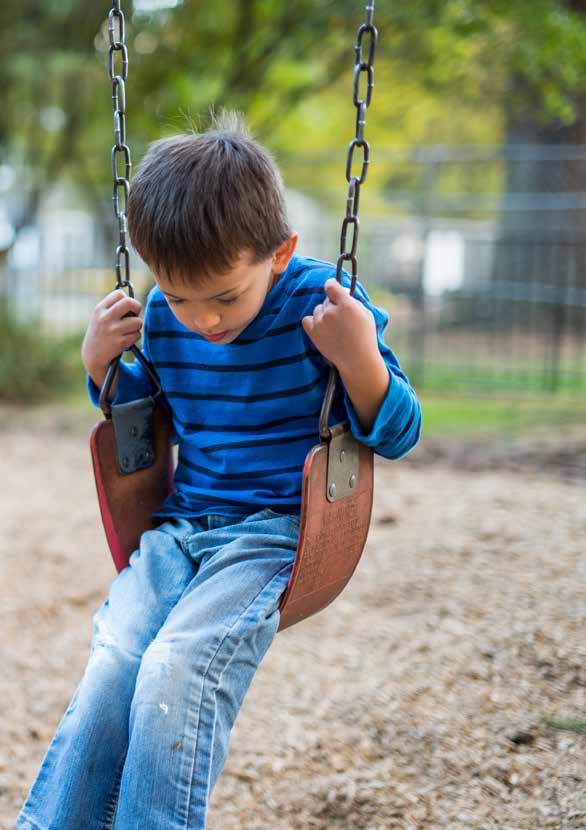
(445, 688)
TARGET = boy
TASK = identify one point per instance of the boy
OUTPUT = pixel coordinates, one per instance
(241, 335)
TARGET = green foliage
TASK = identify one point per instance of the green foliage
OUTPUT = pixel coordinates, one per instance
(478, 48)
(445, 70)
(34, 367)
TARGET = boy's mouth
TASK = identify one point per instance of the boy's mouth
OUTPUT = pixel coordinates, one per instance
(216, 337)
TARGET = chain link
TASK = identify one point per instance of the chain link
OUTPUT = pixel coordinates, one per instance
(366, 40)
(362, 67)
(120, 150)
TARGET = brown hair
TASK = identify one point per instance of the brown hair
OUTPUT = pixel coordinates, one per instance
(198, 201)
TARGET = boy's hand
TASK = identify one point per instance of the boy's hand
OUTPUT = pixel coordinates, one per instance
(110, 332)
(343, 330)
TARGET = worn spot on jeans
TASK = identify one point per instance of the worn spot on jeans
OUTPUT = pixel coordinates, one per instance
(104, 636)
(160, 652)
(164, 707)
(176, 746)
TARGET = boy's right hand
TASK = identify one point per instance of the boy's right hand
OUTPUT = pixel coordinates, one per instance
(110, 332)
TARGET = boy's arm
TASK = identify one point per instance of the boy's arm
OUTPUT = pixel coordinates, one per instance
(382, 407)
(131, 381)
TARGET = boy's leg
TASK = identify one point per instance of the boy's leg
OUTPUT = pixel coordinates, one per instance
(76, 786)
(195, 674)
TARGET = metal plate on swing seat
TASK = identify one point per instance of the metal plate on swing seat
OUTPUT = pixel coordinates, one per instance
(343, 466)
(135, 437)
(332, 535)
(127, 502)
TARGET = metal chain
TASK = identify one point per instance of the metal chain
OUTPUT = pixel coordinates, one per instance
(362, 68)
(121, 183)
(120, 150)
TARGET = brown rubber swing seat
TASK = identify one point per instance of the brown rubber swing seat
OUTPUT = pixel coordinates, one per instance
(332, 534)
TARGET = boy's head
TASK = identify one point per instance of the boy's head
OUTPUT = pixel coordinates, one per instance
(207, 213)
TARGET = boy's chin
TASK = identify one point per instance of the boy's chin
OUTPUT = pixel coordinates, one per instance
(234, 333)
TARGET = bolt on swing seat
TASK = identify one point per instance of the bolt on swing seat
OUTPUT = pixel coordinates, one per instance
(133, 464)
(132, 451)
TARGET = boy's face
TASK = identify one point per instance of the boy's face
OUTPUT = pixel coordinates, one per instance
(220, 319)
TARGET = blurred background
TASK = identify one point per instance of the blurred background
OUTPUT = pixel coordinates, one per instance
(472, 216)
(447, 685)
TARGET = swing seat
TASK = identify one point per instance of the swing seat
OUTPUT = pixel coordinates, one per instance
(332, 533)
(127, 502)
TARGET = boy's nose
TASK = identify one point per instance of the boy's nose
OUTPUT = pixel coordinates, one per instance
(207, 323)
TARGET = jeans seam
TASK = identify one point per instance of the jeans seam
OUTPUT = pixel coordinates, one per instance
(111, 807)
(205, 675)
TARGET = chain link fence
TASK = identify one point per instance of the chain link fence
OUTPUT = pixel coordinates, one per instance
(485, 285)
(483, 251)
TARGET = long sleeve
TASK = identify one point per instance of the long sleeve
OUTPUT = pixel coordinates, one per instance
(397, 426)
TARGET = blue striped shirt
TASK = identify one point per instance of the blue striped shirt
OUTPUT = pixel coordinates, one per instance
(245, 413)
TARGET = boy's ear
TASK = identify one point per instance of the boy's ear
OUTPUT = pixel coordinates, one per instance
(284, 253)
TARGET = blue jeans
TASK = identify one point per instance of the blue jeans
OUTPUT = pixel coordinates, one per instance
(174, 649)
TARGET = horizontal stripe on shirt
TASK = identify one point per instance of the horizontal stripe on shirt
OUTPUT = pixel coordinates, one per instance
(266, 386)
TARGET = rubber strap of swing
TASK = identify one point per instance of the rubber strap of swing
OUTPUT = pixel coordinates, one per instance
(135, 435)
(133, 421)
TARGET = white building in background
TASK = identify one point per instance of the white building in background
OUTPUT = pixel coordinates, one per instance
(443, 268)
(55, 265)
(64, 236)
(318, 232)
(59, 267)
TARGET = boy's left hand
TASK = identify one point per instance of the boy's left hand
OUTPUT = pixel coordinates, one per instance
(343, 329)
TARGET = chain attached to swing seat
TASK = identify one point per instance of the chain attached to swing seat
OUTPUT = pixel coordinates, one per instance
(362, 68)
(133, 422)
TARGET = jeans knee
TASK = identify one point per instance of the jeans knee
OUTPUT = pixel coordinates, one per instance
(103, 634)
(122, 643)
(164, 675)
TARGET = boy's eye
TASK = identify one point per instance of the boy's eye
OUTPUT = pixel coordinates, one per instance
(178, 302)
